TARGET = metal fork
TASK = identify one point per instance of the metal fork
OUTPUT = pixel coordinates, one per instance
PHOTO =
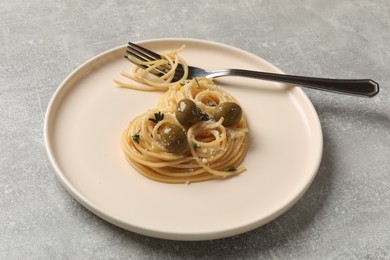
(359, 87)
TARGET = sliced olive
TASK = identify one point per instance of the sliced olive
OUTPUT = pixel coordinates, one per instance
(173, 138)
(186, 112)
(230, 111)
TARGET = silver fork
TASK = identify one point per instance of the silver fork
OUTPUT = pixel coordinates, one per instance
(359, 87)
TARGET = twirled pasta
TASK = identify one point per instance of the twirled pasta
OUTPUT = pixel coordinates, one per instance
(214, 150)
(152, 83)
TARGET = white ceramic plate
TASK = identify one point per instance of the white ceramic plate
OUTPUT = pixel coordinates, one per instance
(88, 113)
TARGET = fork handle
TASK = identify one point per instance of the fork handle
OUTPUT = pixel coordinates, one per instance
(360, 87)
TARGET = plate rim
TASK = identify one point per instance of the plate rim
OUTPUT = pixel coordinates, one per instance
(164, 234)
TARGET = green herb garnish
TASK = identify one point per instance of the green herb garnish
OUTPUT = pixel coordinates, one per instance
(157, 117)
(211, 103)
(135, 137)
(231, 169)
(204, 116)
(182, 83)
(196, 146)
(197, 82)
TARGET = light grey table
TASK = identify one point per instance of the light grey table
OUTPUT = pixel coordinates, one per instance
(345, 214)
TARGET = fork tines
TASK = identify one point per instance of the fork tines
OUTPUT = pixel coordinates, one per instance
(137, 55)
(141, 54)
(143, 51)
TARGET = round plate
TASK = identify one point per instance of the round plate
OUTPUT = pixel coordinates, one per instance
(88, 113)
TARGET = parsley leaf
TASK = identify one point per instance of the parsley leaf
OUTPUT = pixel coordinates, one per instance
(211, 104)
(204, 116)
(197, 82)
(157, 117)
(231, 169)
(196, 146)
(135, 137)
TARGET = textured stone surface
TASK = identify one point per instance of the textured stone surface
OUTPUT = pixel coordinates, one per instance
(345, 214)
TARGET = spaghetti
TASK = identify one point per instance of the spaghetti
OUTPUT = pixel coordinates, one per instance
(170, 59)
(163, 149)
